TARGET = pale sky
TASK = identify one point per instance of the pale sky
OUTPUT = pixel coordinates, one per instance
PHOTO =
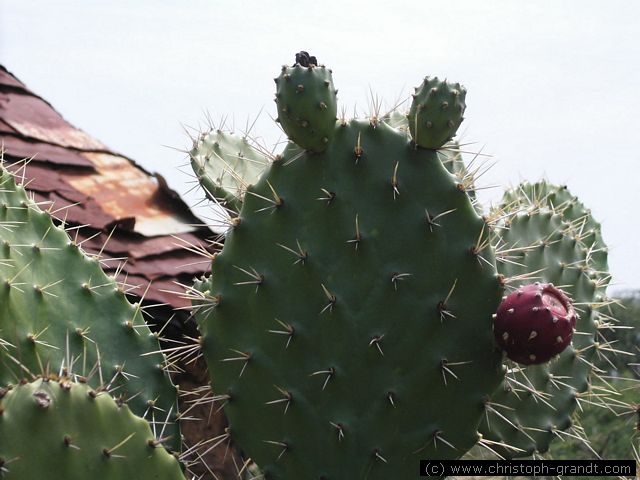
(552, 86)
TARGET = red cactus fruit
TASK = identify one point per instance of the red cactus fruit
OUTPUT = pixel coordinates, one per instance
(534, 323)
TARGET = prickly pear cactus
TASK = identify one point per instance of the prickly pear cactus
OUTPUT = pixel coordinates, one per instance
(307, 105)
(436, 112)
(397, 119)
(352, 300)
(559, 199)
(225, 166)
(535, 404)
(61, 429)
(59, 312)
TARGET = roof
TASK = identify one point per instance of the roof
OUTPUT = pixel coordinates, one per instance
(121, 210)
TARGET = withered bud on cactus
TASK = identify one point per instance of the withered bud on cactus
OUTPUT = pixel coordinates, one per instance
(305, 60)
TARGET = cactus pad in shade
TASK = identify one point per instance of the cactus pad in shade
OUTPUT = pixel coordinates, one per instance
(351, 301)
(225, 165)
(436, 112)
(535, 404)
(534, 323)
(60, 312)
(62, 429)
(307, 106)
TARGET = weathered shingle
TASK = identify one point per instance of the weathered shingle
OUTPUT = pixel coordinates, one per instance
(88, 185)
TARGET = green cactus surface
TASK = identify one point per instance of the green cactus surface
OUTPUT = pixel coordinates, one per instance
(450, 156)
(307, 106)
(436, 112)
(397, 119)
(559, 199)
(61, 429)
(454, 162)
(225, 165)
(352, 300)
(59, 312)
(535, 404)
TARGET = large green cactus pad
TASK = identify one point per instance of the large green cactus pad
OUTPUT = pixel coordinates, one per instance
(60, 312)
(349, 328)
(535, 404)
(66, 430)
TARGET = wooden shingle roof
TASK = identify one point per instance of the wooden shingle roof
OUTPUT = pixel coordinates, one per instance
(105, 194)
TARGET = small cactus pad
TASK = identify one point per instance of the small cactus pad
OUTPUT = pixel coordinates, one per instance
(225, 166)
(534, 323)
(352, 300)
(535, 404)
(60, 429)
(436, 112)
(60, 312)
(307, 105)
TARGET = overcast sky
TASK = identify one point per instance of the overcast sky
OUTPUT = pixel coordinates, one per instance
(553, 86)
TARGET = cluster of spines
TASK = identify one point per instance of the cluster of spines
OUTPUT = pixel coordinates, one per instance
(225, 165)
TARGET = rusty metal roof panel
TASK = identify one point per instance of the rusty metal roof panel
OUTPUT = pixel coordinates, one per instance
(88, 212)
(85, 183)
(163, 290)
(182, 262)
(8, 80)
(6, 128)
(123, 191)
(17, 146)
(33, 118)
(42, 178)
(139, 246)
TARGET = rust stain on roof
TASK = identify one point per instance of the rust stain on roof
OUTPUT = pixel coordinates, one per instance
(104, 194)
(122, 191)
(33, 118)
